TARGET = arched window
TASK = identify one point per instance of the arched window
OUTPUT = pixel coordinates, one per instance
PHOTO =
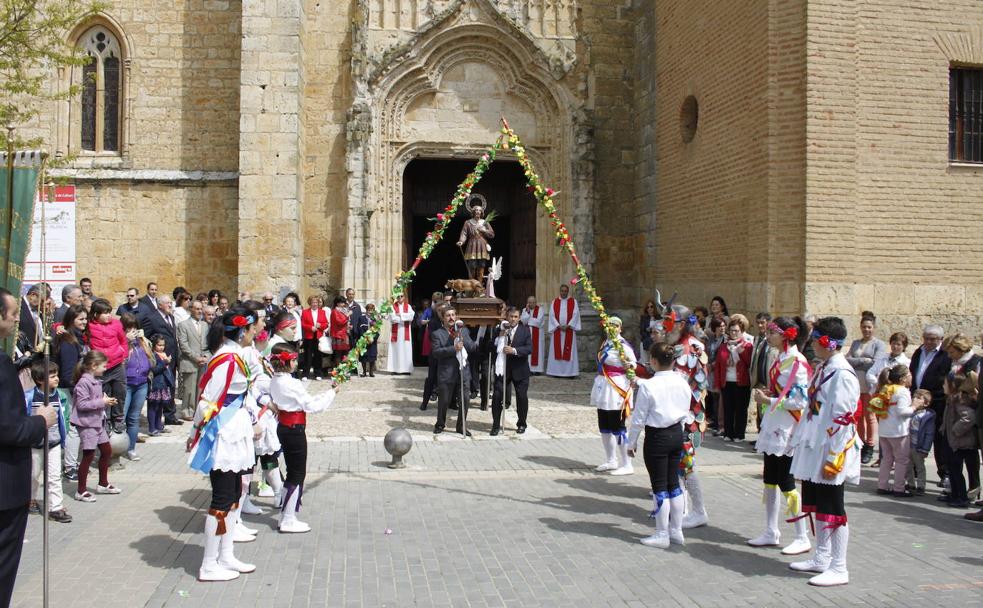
(101, 79)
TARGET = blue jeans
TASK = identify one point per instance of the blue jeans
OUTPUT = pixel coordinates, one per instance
(136, 396)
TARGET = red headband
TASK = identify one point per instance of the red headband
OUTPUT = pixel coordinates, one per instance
(285, 356)
(288, 322)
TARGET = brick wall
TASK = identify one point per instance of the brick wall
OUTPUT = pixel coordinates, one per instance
(906, 221)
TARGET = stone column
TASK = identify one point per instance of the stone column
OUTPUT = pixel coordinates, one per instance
(270, 237)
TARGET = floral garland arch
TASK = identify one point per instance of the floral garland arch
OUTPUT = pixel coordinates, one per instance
(507, 141)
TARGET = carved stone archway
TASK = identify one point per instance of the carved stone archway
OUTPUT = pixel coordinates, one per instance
(440, 95)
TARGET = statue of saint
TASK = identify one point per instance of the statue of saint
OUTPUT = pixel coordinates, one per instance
(474, 238)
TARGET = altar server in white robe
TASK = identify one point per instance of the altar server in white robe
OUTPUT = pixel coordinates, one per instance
(564, 323)
(534, 317)
(400, 360)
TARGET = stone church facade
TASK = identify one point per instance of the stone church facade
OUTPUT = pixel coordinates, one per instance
(788, 155)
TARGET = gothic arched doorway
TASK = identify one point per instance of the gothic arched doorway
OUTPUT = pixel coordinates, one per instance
(428, 185)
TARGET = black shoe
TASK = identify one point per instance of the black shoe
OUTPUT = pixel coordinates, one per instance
(468, 434)
(423, 406)
(958, 504)
(905, 494)
(371, 375)
(71, 475)
(521, 429)
(495, 431)
(919, 491)
(882, 492)
(474, 394)
(437, 429)
(61, 516)
(173, 422)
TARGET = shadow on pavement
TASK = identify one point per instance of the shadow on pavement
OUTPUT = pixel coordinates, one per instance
(558, 462)
(591, 528)
(155, 551)
(715, 546)
(949, 521)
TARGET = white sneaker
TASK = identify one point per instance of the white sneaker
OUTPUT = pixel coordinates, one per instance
(293, 526)
(239, 535)
(607, 466)
(265, 490)
(830, 578)
(695, 519)
(768, 539)
(676, 537)
(213, 573)
(659, 540)
(625, 470)
(131, 455)
(243, 527)
(798, 547)
(809, 565)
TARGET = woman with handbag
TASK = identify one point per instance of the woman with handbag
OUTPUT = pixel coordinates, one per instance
(313, 323)
(340, 330)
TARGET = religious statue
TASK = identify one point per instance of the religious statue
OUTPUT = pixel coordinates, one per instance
(474, 238)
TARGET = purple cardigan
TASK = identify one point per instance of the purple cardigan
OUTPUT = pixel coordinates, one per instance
(88, 407)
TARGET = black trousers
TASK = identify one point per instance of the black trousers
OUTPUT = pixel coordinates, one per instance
(431, 381)
(13, 524)
(941, 450)
(957, 483)
(310, 359)
(663, 450)
(226, 489)
(777, 472)
(293, 441)
(736, 400)
(114, 385)
(446, 393)
(520, 389)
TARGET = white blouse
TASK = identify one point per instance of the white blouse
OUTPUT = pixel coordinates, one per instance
(290, 395)
(660, 401)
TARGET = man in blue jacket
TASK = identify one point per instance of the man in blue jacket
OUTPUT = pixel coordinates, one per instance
(18, 432)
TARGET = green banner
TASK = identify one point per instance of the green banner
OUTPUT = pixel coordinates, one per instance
(18, 191)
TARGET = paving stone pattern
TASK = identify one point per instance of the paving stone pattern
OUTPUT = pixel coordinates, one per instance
(506, 521)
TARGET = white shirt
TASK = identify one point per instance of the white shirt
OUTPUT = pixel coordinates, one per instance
(924, 362)
(660, 401)
(886, 362)
(290, 395)
(898, 419)
(181, 314)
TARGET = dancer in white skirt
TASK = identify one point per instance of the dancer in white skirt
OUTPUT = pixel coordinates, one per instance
(221, 441)
(827, 453)
(783, 405)
(611, 395)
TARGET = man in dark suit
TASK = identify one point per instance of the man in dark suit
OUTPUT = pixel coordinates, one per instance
(448, 341)
(18, 432)
(515, 344)
(437, 304)
(929, 366)
(30, 325)
(149, 301)
(160, 322)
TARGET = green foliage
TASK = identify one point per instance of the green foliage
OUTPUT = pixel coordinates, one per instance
(33, 46)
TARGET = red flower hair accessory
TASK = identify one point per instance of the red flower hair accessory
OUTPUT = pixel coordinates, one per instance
(240, 321)
(791, 333)
(284, 357)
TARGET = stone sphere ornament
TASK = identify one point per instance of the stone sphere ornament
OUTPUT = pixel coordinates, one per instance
(398, 443)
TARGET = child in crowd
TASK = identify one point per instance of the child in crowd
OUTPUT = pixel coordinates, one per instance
(371, 353)
(48, 383)
(293, 403)
(139, 362)
(921, 432)
(161, 387)
(892, 406)
(89, 417)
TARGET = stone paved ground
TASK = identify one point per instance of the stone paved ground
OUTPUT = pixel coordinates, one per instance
(504, 521)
